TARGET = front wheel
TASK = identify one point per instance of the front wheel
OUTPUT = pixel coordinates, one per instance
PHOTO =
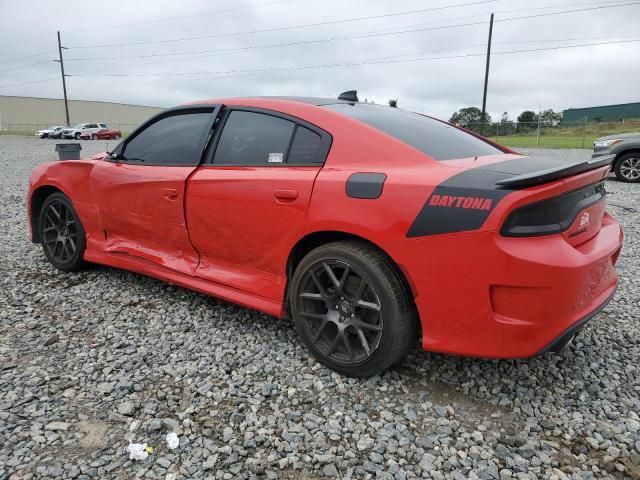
(61, 233)
(116, 137)
(351, 309)
(627, 168)
(94, 137)
(77, 136)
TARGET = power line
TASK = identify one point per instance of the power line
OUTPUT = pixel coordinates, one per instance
(229, 73)
(386, 31)
(375, 33)
(291, 27)
(165, 19)
(331, 22)
(25, 66)
(168, 19)
(48, 52)
(29, 83)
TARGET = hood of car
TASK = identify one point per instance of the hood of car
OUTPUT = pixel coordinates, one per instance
(635, 135)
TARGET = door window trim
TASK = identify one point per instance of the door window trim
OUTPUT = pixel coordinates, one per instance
(213, 109)
(323, 151)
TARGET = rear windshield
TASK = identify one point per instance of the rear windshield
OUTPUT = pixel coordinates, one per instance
(437, 139)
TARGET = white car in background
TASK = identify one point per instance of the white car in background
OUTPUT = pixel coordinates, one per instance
(49, 131)
(77, 130)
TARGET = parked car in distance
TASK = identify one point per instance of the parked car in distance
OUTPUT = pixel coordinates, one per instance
(370, 226)
(77, 130)
(56, 133)
(50, 132)
(102, 134)
(626, 148)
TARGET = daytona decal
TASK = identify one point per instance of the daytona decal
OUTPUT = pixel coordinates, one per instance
(449, 201)
(461, 203)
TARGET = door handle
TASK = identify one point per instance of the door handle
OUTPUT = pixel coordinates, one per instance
(170, 193)
(285, 195)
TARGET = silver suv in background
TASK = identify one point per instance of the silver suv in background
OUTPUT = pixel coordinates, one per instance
(626, 148)
(76, 130)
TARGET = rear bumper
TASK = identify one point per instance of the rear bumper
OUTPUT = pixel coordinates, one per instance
(565, 337)
(482, 294)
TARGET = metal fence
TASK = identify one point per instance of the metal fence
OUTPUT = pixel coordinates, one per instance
(553, 134)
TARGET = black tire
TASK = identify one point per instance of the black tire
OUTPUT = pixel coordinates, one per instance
(94, 137)
(116, 137)
(627, 167)
(355, 328)
(77, 136)
(61, 233)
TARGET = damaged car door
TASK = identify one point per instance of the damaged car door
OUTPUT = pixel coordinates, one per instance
(139, 188)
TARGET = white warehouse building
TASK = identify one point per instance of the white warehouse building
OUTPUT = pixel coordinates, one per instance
(27, 114)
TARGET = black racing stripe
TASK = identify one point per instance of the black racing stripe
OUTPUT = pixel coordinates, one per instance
(524, 165)
(464, 201)
(461, 203)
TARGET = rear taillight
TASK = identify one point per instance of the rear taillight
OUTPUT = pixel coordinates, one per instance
(554, 215)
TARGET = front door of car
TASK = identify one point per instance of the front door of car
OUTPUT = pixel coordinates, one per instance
(248, 205)
(140, 189)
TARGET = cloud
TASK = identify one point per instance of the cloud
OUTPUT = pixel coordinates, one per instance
(555, 79)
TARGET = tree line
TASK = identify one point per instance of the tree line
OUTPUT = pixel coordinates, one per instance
(471, 118)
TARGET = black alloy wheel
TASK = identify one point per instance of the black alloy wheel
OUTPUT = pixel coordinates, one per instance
(351, 308)
(62, 234)
(341, 310)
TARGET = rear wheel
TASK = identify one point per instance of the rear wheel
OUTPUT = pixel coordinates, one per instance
(351, 309)
(627, 168)
(94, 137)
(61, 233)
(116, 137)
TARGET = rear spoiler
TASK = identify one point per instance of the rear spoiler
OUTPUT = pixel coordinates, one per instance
(555, 173)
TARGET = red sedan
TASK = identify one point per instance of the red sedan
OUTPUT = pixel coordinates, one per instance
(102, 134)
(369, 226)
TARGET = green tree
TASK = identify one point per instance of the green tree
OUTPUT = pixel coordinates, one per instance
(549, 117)
(506, 126)
(469, 117)
(527, 120)
(393, 103)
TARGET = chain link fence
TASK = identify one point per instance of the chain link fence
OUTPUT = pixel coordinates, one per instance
(552, 134)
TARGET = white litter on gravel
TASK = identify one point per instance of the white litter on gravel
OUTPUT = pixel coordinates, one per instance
(173, 441)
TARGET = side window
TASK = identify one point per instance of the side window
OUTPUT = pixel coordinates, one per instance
(91, 125)
(102, 125)
(173, 140)
(305, 146)
(250, 138)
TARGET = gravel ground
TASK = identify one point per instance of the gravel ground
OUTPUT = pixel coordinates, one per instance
(89, 361)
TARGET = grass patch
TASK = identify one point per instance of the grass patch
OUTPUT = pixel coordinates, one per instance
(563, 136)
(546, 141)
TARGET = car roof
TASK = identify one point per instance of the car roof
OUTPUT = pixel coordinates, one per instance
(317, 101)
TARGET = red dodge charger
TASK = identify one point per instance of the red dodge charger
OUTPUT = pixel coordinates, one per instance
(369, 226)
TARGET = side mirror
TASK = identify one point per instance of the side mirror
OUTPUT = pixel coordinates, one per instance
(115, 156)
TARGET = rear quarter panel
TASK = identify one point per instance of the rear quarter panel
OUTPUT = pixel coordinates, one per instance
(71, 177)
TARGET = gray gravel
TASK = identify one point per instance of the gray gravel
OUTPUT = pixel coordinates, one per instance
(89, 361)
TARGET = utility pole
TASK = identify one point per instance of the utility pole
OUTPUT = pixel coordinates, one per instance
(538, 134)
(486, 78)
(64, 83)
